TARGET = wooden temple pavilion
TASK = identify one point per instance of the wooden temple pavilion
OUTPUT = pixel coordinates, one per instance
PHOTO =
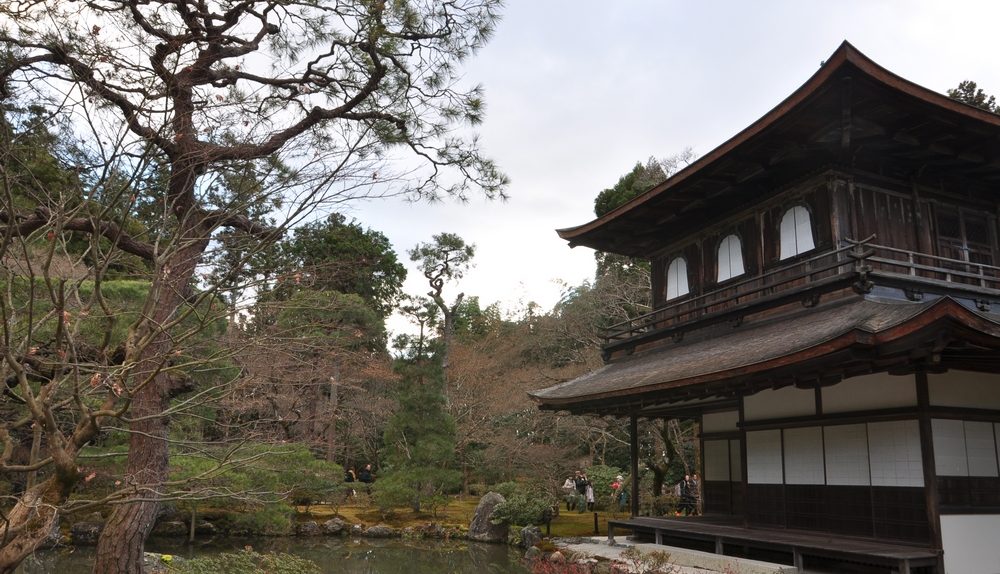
(826, 302)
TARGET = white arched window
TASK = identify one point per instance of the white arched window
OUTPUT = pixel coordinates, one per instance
(796, 232)
(677, 278)
(730, 258)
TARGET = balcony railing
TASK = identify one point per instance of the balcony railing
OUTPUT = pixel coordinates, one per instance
(855, 263)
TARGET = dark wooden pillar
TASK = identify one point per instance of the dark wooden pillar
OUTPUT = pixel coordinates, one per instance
(927, 457)
(633, 445)
(743, 465)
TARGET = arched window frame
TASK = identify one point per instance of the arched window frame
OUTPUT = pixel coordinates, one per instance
(677, 278)
(795, 232)
(730, 258)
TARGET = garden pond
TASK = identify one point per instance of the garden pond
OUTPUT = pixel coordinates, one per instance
(332, 555)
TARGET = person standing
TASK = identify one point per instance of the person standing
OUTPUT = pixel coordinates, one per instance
(589, 494)
(685, 506)
(617, 492)
(367, 477)
(569, 493)
(581, 482)
(350, 477)
(694, 489)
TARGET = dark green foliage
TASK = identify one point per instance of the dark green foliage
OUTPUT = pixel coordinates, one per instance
(523, 504)
(641, 179)
(968, 92)
(341, 255)
(601, 477)
(472, 322)
(447, 257)
(247, 562)
(324, 320)
(631, 185)
(257, 484)
(507, 489)
(33, 306)
(419, 442)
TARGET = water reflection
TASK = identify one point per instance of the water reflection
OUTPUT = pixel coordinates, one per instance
(333, 555)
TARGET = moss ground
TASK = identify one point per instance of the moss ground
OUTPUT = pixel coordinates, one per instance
(458, 512)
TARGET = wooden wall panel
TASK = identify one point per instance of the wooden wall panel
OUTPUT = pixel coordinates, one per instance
(900, 514)
(848, 510)
(718, 496)
(765, 504)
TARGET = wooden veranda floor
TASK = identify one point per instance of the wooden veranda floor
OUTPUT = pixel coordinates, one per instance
(724, 535)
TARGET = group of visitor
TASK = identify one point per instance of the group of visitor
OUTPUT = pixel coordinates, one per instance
(688, 492)
(579, 493)
(365, 476)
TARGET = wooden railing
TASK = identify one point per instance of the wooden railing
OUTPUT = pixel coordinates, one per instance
(851, 263)
(924, 266)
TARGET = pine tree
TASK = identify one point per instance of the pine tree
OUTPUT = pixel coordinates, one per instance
(420, 442)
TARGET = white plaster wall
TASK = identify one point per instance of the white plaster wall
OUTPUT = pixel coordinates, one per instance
(846, 455)
(779, 403)
(764, 457)
(804, 456)
(735, 461)
(720, 422)
(894, 453)
(965, 389)
(970, 543)
(868, 392)
(716, 460)
(982, 451)
(949, 447)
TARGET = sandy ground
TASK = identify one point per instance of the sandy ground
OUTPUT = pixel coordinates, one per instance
(685, 561)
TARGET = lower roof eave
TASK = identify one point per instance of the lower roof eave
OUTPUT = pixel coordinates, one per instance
(910, 342)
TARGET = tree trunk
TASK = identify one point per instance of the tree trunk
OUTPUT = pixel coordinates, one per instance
(120, 547)
(36, 512)
(331, 431)
(194, 518)
(36, 445)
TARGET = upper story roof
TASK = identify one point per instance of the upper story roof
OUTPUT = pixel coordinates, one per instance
(851, 113)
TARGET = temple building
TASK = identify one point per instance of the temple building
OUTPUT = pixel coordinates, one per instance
(826, 303)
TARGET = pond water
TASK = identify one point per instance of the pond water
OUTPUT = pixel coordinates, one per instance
(333, 555)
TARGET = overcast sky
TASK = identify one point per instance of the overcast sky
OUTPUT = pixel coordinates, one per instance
(577, 91)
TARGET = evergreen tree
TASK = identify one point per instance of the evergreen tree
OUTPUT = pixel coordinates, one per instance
(968, 92)
(419, 442)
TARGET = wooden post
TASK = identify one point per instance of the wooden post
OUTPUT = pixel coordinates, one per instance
(927, 457)
(633, 443)
(743, 465)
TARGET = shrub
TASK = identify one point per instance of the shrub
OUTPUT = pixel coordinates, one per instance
(246, 562)
(663, 505)
(266, 520)
(654, 562)
(542, 566)
(507, 489)
(601, 477)
(524, 507)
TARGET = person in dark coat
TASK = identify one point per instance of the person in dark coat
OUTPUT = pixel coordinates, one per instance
(349, 476)
(582, 482)
(367, 477)
(687, 500)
